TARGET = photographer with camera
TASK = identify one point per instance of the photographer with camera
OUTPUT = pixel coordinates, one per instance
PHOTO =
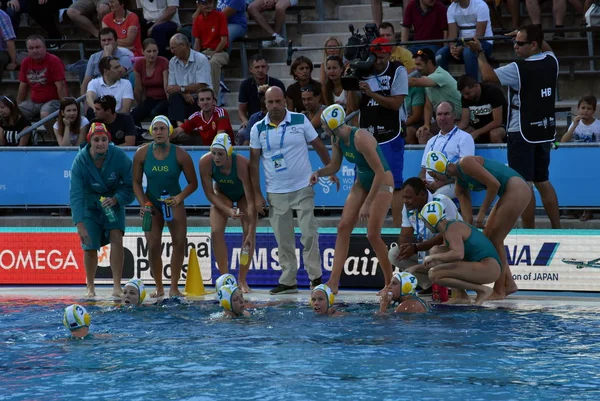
(383, 86)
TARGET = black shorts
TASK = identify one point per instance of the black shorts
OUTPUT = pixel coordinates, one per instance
(531, 160)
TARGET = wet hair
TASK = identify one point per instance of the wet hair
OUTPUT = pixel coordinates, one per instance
(589, 99)
(107, 102)
(465, 81)
(328, 87)
(15, 112)
(107, 31)
(416, 184)
(147, 42)
(534, 34)
(300, 60)
(67, 101)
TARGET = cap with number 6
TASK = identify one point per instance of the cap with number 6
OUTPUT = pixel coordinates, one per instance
(436, 161)
(333, 116)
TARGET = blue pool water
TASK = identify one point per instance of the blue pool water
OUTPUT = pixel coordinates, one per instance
(189, 352)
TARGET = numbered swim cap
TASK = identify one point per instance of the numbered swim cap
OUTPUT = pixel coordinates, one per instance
(408, 283)
(328, 293)
(224, 142)
(333, 116)
(139, 285)
(432, 213)
(436, 161)
(224, 294)
(225, 279)
(161, 119)
(76, 317)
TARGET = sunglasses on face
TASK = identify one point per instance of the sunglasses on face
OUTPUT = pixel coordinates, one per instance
(521, 43)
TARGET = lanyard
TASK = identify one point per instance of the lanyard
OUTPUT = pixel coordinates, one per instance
(282, 136)
(450, 135)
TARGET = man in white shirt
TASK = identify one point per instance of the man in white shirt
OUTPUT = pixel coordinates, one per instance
(161, 21)
(451, 141)
(415, 239)
(110, 83)
(466, 19)
(280, 141)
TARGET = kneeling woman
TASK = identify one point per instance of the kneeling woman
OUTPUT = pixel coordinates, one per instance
(468, 260)
(474, 173)
(163, 162)
(231, 176)
(100, 189)
(371, 195)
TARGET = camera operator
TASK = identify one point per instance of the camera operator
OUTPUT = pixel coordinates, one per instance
(382, 112)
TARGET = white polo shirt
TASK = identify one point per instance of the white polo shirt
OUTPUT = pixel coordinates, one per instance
(287, 141)
(410, 217)
(119, 90)
(455, 144)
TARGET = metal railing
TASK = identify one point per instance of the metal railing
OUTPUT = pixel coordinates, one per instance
(44, 120)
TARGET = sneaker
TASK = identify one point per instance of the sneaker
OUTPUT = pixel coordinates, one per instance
(224, 87)
(284, 289)
(267, 43)
(315, 282)
(278, 40)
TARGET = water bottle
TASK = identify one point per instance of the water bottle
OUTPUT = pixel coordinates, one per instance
(245, 256)
(147, 221)
(166, 209)
(108, 211)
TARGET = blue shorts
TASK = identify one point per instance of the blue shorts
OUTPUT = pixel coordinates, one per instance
(393, 150)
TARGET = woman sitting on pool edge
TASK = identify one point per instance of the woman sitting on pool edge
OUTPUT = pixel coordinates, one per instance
(322, 299)
(403, 290)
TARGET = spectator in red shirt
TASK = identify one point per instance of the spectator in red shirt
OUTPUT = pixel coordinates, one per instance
(43, 77)
(211, 32)
(202, 126)
(127, 26)
(428, 19)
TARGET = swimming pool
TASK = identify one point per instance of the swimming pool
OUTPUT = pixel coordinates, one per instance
(187, 352)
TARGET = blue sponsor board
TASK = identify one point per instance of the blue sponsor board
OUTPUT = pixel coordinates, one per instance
(40, 176)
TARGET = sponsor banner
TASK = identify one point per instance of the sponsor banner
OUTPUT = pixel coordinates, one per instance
(45, 181)
(564, 260)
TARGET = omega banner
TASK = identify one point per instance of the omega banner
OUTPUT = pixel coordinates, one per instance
(563, 260)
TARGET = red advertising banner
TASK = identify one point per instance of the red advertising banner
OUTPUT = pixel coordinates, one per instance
(42, 258)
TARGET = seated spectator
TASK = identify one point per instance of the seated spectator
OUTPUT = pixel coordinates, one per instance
(311, 99)
(484, 110)
(586, 129)
(70, 128)
(332, 86)
(243, 135)
(110, 83)
(12, 122)
(8, 51)
(414, 103)
(466, 19)
(452, 142)
(428, 20)
(301, 70)
(189, 71)
(127, 26)
(559, 11)
(235, 11)
(202, 126)
(161, 21)
(256, 10)
(331, 43)
(210, 31)
(439, 86)
(110, 48)
(82, 11)
(120, 126)
(42, 76)
(399, 53)
(248, 98)
(151, 77)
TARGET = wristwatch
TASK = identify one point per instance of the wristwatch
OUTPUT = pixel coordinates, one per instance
(182, 88)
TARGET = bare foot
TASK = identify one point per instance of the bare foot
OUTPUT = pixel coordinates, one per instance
(244, 287)
(174, 292)
(495, 296)
(511, 288)
(160, 292)
(333, 287)
(483, 294)
(459, 300)
(91, 291)
(117, 292)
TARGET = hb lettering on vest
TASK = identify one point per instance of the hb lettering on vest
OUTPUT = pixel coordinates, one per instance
(546, 92)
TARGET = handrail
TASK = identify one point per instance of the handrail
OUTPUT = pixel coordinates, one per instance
(44, 120)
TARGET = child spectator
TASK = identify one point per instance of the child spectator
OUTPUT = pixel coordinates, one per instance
(70, 127)
(12, 122)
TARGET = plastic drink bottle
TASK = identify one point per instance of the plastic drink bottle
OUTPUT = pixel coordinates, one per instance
(108, 211)
(147, 221)
(166, 209)
(245, 256)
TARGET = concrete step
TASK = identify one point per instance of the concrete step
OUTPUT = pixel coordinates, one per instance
(318, 39)
(234, 83)
(330, 27)
(351, 12)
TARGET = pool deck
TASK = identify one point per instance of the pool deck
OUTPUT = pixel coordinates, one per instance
(520, 300)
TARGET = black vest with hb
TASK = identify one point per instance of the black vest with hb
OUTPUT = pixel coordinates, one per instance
(382, 122)
(537, 91)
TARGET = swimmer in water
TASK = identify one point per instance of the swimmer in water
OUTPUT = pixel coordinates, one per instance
(231, 298)
(77, 320)
(322, 299)
(371, 195)
(134, 292)
(403, 291)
